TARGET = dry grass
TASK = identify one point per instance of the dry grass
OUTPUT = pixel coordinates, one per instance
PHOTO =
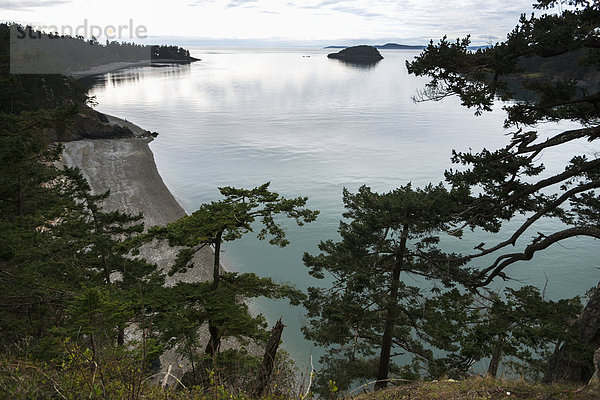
(478, 389)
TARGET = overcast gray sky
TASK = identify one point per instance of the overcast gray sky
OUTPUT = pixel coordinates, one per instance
(408, 21)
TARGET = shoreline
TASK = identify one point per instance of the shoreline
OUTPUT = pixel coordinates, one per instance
(112, 67)
(126, 167)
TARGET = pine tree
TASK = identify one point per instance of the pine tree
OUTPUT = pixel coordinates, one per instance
(57, 242)
(370, 308)
(518, 326)
(220, 303)
(549, 66)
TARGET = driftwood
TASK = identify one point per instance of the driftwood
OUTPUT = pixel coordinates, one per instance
(266, 368)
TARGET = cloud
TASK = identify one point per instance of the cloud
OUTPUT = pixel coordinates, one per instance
(302, 19)
(230, 4)
(341, 6)
(197, 3)
(237, 3)
(329, 3)
(358, 11)
(26, 5)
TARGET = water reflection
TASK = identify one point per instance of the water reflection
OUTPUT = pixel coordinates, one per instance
(131, 76)
(360, 65)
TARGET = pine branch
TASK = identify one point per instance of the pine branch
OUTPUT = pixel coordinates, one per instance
(530, 221)
(544, 242)
(561, 138)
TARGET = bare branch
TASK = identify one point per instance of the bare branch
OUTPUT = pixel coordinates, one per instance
(550, 206)
(507, 259)
(568, 173)
(559, 139)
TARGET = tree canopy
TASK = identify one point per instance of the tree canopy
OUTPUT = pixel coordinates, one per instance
(370, 307)
(221, 303)
(547, 70)
(511, 179)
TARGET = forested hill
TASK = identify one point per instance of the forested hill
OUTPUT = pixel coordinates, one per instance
(34, 51)
(49, 96)
(173, 53)
(562, 67)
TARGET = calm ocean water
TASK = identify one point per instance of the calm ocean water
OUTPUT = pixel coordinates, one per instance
(312, 126)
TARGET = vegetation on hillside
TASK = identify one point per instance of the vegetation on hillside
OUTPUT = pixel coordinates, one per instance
(77, 303)
(479, 389)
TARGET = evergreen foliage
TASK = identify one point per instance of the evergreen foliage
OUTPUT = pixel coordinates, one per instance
(512, 180)
(174, 53)
(370, 308)
(519, 328)
(34, 92)
(220, 303)
(58, 243)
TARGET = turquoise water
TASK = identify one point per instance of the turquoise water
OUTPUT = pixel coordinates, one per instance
(312, 126)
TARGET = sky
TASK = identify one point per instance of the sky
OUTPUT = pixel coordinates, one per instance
(275, 21)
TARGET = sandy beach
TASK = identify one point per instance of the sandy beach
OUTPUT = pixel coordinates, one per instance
(126, 167)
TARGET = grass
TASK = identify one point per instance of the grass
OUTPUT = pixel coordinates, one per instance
(478, 389)
(29, 380)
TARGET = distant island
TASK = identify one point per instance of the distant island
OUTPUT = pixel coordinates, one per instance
(358, 54)
(396, 46)
(387, 46)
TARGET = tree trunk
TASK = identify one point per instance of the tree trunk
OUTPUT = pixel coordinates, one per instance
(496, 356)
(214, 342)
(217, 261)
(120, 335)
(215, 338)
(593, 387)
(269, 359)
(391, 316)
(569, 362)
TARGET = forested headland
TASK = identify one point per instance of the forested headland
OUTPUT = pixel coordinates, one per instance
(35, 51)
(83, 315)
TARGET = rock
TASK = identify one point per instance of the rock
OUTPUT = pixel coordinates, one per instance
(358, 54)
(102, 117)
(568, 363)
(90, 124)
(593, 386)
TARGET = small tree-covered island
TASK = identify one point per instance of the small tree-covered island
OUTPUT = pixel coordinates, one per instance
(86, 313)
(358, 54)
